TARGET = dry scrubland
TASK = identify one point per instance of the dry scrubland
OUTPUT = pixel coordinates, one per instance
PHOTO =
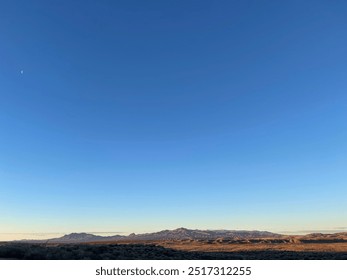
(264, 248)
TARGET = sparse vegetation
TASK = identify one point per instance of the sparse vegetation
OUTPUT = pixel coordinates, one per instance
(172, 250)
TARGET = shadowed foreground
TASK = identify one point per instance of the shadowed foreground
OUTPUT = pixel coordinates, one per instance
(22, 251)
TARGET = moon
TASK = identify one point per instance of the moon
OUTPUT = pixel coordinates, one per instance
(22, 72)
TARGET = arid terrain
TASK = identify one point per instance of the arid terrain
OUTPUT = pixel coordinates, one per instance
(177, 244)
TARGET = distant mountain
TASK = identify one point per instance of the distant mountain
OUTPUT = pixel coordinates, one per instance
(176, 234)
(77, 237)
(183, 233)
(84, 237)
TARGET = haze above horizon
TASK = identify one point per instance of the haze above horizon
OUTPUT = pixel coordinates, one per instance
(139, 116)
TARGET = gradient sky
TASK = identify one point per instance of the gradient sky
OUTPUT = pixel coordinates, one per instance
(136, 116)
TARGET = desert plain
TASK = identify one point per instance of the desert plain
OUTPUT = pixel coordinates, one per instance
(180, 244)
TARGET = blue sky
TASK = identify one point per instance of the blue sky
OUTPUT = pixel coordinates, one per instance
(137, 116)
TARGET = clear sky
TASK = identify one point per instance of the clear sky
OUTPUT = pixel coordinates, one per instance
(137, 116)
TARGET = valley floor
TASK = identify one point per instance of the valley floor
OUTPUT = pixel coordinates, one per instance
(179, 250)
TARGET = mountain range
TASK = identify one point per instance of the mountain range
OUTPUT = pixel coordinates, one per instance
(181, 234)
(176, 234)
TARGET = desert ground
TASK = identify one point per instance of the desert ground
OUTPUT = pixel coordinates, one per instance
(286, 248)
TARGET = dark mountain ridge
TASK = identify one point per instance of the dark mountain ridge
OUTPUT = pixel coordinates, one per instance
(197, 235)
(176, 234)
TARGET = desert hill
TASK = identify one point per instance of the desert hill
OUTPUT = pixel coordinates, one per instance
(182, 243)
(211, 236)
(176, 234)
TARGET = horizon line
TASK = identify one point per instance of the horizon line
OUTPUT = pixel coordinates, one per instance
(335, 230)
